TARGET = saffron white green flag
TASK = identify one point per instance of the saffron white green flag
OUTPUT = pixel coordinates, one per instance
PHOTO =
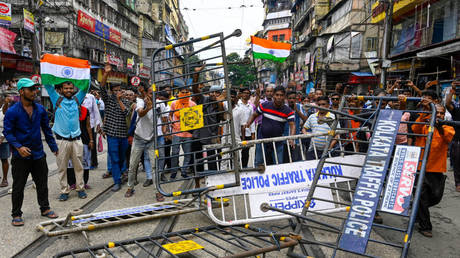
(268, 49)
(57, 69)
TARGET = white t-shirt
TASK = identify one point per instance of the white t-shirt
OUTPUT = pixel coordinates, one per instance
(144, 126)
(246, 112)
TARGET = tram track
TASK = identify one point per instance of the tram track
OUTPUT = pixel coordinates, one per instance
(40, 244)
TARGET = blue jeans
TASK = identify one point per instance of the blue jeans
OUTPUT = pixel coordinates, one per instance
(139, 147)
(186, 148)
(117, 151)
(269, 153)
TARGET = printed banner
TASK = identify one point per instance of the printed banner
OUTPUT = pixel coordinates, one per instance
(290, 200)
(358, 225)
(398, 191)
(29, 23)
(285, 186)
(5, 14)
(285, 177)
(7, 38)
(191, 118)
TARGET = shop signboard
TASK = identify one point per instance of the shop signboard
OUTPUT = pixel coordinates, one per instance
(5, 14)
(115, 36)
(86, 22)
(25, 66)
(145, 72)
(90, 24)
(29, 23)
(113, 60)
(102, 30)
(7, 38)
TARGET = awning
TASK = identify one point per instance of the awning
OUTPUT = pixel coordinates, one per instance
(362, 78)
(438, 51)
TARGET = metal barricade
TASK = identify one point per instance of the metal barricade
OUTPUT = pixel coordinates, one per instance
(282, 185)
(389, 183)
(211, 241)
(76, 222)
(191, 122)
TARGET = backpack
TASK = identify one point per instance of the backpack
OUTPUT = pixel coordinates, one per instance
(61, 98)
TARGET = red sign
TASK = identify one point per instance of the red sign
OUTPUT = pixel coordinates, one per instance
(135, 81)
(4, 8)
(115, 36)
(7, 41)
(86, 22)
(36, 78)
(25, 66)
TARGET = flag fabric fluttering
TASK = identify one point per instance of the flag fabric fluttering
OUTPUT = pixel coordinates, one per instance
(57, 69)
(268, 49)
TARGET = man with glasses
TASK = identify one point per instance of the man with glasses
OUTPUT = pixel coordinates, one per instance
(335, 98)
(22, 125)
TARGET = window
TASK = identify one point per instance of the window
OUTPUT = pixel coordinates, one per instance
(94, 5)
(371, 44)
(275, 38)
(282, 37)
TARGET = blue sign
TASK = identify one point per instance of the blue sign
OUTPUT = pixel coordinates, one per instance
(358, 225)
(102, 29)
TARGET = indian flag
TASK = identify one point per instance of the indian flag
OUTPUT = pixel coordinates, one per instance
(58, 69)
(267, 49)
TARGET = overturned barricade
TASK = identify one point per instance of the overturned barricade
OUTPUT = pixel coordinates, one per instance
(211, 241)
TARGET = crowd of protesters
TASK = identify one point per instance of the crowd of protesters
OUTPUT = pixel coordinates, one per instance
(125, 119)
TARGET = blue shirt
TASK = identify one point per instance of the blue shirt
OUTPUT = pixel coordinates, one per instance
(66, 123)
(22, 130)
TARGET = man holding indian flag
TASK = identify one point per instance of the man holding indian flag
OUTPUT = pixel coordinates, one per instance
(67, 73)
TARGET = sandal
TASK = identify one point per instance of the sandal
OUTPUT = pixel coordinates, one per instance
(50, 214)
(129, 193)
(106, 175)
(4, 183)
(17, 222)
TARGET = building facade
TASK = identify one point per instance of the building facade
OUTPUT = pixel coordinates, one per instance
(333, 42)
(425, 42)
(123, 33)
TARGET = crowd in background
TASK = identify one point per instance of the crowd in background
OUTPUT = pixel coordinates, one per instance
(79, 120)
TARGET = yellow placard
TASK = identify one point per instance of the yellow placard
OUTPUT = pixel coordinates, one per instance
(182, 247)
(191, 118)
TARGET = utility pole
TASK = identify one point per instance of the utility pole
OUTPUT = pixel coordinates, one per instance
(388, 28)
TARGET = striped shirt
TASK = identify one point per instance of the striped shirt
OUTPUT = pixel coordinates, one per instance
(315, 127)
(115, 118)
(273, 119)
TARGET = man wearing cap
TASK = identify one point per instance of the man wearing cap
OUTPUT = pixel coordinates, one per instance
(67, 130)
(22, 125)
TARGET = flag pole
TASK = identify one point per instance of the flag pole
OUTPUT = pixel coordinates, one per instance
(254, 63)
